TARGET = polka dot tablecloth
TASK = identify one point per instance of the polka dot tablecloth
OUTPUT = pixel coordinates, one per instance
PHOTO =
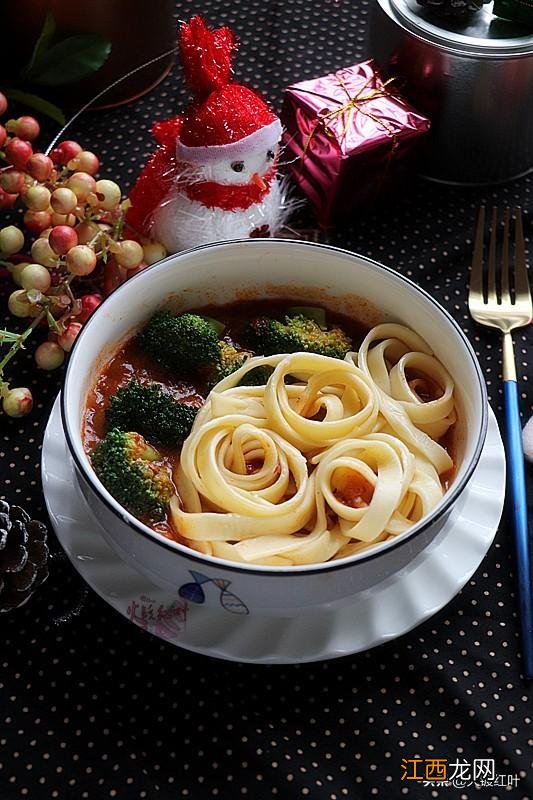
(93, 707)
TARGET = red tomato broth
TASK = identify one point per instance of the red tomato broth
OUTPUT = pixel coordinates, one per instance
(129, 362)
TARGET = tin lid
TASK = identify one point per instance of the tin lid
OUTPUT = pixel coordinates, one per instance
(480, 33)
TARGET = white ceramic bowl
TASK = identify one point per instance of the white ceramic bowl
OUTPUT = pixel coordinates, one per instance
(243, 269)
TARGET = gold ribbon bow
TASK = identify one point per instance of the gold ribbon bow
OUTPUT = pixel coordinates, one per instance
(353, 104)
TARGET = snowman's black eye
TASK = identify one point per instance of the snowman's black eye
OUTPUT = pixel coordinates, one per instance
(270, 155)
(237, 166)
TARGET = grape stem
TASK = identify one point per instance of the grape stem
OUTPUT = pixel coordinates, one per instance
(19, 339)
(18, 343)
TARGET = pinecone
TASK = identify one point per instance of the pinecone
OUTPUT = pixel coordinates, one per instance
(23, 556)
(452, 8)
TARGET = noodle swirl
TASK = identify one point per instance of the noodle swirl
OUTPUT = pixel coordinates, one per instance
(329, 457)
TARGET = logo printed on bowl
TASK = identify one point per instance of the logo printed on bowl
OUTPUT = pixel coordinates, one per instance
(167, 622)
(195, 594)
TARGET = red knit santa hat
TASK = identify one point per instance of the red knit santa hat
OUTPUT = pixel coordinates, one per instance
(225, 120)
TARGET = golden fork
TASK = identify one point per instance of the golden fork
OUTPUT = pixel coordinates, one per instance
(503, 301)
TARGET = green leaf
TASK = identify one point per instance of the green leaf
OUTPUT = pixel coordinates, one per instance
(36, 102)
(42, 44)
(70, 60)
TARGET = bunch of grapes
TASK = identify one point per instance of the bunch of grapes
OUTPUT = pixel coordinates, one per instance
(77, 253)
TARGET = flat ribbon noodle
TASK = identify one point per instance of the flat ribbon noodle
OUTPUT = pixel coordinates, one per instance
(414, 421)
(259, 474)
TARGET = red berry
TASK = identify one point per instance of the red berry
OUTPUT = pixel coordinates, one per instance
(37, 221)
(12, 180)
(17, 402)
(81, 260)
(63, 200)
(85, 162)
(82, 184)
(49, 355)
(66, 339)
(6, 200)
(89, 304)
(65, 151)
(87, 231)
(18, 152)
(40, 167)
(3, 104)
(26, 128)
(62, 238)
(3, 136)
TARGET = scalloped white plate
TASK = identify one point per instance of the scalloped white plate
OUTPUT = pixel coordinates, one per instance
(373, 617)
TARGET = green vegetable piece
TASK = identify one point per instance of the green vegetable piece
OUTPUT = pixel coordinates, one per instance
(130, 470)
(152, 413)
(229, 360)
(315, 313)
(217, 326)
(297, 334)
(179, 343)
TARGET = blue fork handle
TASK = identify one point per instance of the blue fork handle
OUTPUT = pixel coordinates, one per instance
(517, 486)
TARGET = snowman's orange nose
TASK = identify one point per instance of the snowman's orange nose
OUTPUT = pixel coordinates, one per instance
(258, 180)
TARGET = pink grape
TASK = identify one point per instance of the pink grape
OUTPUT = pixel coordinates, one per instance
(3, 104)
(108, 194)
(81, 260)
(63, 200)
(35, 276)
(86, 231)
(40, 167)
(6, 200)
(17, 402)
(18, 304)
(18, 152)
(129, 254)
(89, 304)
(62, 238)
(3, 136)
(153, 251)
(64, 219)
(42, 253)
(12, 180)
(37, 198)
(64, 152)
(82, 184)
(26, 128)
(37, 221)
(11, 240)
(49, 355)
(16, 271)
(67, 339)
(85, 162)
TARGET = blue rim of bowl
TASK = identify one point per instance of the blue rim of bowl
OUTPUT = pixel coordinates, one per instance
(304, 569)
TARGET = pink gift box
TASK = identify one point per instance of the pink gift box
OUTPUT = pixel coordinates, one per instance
(345, 135)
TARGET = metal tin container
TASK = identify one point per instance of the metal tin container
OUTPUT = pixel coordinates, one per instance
(472, 78)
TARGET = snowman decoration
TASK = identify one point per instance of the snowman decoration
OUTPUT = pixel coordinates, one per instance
(213, 176)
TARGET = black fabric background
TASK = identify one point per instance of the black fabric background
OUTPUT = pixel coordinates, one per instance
(92, 707)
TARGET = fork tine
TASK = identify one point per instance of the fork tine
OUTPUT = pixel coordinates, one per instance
(476, 270)
(505, 295)
(491, 292)
(521, 280)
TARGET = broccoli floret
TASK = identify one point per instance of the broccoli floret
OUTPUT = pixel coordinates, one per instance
(229, 360)
(128, 467)
(150, 412)
(179, 343)
(297, 334)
